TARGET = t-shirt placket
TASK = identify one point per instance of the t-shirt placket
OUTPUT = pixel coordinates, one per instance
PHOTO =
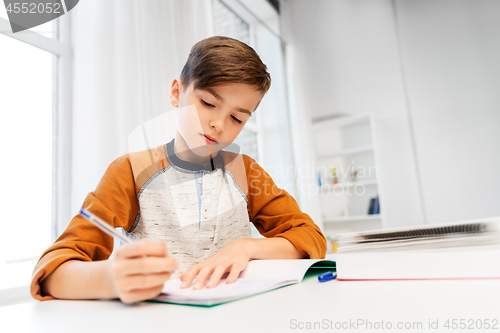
(199, 190)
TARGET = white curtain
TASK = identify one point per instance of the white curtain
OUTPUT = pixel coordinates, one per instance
(126, 54)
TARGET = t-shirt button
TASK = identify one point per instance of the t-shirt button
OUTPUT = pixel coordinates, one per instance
(200, 180)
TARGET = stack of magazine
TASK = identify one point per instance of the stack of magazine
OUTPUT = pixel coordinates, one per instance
(462, 250)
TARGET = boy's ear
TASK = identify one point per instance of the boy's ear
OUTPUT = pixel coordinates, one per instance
(175, 92)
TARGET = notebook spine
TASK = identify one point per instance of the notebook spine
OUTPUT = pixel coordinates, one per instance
(428, 232)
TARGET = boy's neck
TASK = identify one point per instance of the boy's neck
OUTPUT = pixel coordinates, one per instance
(183, 152)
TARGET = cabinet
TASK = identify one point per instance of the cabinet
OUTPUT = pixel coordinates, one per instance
(347, 144)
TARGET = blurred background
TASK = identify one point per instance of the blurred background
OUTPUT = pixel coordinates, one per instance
(381, 113)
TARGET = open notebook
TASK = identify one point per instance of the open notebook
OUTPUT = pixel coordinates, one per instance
(461, 250)
(259, 276)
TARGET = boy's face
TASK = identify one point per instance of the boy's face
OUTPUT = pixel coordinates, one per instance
(218, 112)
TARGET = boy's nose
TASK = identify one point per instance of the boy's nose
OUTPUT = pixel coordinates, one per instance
(217, 124)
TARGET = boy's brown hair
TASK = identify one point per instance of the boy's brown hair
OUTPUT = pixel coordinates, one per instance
(221, 60)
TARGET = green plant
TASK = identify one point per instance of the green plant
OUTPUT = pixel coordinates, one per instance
(332, 239)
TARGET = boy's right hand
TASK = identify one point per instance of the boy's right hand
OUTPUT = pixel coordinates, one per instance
(140, 269)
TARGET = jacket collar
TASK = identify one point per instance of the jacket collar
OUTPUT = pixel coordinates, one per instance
(216, 163)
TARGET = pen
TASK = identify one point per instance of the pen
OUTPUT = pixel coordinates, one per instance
(326, 277)
(103, 225)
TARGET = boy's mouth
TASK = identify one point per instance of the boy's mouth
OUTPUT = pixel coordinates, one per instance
(209, 139)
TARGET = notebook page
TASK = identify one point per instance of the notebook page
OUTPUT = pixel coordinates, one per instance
(259, 276)
(240, 288)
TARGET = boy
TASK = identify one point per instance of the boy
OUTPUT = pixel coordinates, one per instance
(188, 202)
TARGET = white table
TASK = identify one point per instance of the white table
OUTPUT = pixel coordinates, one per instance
(283, 310)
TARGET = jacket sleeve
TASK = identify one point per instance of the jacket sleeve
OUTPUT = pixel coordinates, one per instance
(275, 213)
(115, 201)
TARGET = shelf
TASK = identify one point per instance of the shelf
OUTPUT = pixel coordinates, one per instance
(348, 143)
(333, 187)
(354, 218)
(349, 151)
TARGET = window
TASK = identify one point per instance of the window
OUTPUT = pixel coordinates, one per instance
(257, 24)
(29, 110)
(26, 146)
(228, 23)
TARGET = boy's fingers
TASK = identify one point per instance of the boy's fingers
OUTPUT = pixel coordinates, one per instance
(141, 295)
(146, 265)
(216, 276)
(141, 281)
(202, 276)
(235, 273)
(189, 276)
(145, 247)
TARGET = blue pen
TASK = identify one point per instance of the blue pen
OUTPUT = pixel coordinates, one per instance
(103, 225)
(326, 277)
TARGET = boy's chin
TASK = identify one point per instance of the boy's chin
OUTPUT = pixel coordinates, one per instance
(203, 151)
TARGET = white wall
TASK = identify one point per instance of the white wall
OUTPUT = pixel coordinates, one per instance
(428, 71)
(451, 56)
(344, 60)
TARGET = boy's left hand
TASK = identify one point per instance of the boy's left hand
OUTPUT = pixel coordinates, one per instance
(232, 258)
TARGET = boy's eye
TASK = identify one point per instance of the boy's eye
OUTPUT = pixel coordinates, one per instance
(236, 119)
(210, 105)
(207, 104)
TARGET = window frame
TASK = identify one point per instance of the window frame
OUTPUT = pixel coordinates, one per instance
(260, 13)
(256, 126)
(59, 46)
